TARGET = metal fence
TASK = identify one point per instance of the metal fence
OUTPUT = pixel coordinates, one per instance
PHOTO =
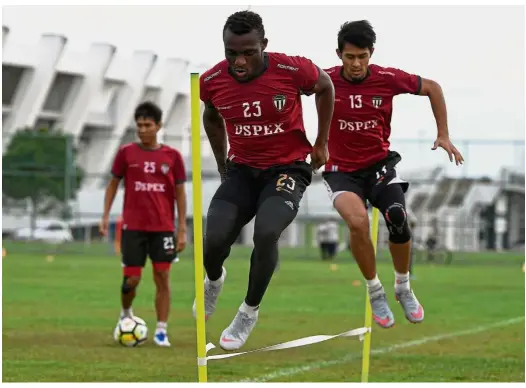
(461, 228)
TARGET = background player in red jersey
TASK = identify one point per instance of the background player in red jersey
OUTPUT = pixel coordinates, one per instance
(154, 177)
(255, 98)
(361, 167)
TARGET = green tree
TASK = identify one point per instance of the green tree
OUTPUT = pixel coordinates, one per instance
(39, 167)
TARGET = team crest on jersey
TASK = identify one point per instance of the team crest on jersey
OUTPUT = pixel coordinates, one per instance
(165, 168)
(377, 101)
(279, 102)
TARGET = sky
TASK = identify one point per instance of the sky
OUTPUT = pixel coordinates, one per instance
(476, 53)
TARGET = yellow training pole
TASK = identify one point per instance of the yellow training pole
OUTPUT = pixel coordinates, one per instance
(198, 227)
(366, 354)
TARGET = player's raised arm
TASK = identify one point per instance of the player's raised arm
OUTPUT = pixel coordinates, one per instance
(434, 92)
(402, 82)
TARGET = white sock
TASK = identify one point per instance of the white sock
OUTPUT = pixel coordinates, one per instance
(161, 326)
(402, 281)
(374, 285)
(219, 281)
(126, 313)
(251, 311)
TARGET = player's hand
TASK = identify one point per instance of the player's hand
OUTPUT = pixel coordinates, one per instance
(181, 240)
(103, 226)
(319, 155)
(445, 143)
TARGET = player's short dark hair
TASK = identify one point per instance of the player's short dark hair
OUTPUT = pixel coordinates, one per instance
(149, 110)
(359, 33)
(243, 22)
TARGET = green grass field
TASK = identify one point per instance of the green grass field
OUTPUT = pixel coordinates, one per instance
(58, 319)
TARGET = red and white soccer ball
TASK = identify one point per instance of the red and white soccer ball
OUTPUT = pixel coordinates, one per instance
(131, 331)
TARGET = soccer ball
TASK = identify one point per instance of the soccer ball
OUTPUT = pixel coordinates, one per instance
(131, 331)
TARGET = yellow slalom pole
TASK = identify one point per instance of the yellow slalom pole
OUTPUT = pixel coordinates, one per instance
(198, 227)
(366, 354)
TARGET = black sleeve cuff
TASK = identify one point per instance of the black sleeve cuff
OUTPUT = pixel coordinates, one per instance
(419, 87)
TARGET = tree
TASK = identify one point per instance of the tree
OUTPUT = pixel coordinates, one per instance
(39, 167)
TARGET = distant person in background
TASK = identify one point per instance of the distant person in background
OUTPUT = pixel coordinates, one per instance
(328, 238)
(436, 245)
(432, 241)
(154, 177)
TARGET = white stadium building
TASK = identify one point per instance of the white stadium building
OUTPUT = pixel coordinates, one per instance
(92, 95)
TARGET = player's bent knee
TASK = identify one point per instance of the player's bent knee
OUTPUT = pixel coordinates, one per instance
(400, 236)
(132, 277)
(396, 215)
(266, 231)
(220, 220)
(266, 235)
(353, 211)
(272, 218)
(130, 283)
(358, 224)
(396, 219)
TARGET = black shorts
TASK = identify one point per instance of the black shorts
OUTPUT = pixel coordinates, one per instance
(366, 183)
(328, 249)
(249, 187)
(137, 245)
(431, 243)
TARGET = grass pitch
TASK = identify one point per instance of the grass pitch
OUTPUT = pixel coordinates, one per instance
(59, 313)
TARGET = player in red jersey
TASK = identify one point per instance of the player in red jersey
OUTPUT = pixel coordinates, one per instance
(154, 177)
(254, 98)
(361, 167)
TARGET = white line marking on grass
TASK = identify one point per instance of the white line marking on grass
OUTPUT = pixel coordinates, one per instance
(323, 364)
